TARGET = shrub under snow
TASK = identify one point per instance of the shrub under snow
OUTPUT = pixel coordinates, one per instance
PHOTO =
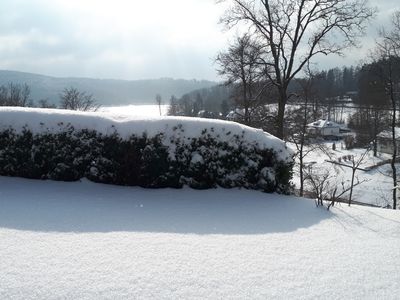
(149, 152)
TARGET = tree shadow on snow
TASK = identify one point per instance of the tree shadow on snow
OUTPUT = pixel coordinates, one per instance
(82, 207)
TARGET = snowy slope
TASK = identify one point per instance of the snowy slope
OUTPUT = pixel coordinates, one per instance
(89, 241)
(377, 185)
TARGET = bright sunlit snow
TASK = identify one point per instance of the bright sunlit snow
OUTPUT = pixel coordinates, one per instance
(376, 181)
(136, 110)
(89, 241)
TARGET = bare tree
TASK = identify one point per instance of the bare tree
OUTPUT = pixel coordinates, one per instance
(320, 185)
(44, 103)
(301, 117)
(336, 194)
(173, 106)
(240, 65)
(325, 186)
(159, 101)
(14, 94)
(355, 164)
(73, 99)
(294, 32)
(387, 66)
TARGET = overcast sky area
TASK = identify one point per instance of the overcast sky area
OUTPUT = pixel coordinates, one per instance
(128, 39)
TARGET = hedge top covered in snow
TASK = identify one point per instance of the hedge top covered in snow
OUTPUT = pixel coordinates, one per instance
(39, 121)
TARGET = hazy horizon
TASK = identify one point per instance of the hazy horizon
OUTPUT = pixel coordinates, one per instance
(109, 78)
(130, 40)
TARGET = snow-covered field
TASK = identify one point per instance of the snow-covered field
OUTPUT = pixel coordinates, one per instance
(137, 110)
(377, 185)
(84, 240)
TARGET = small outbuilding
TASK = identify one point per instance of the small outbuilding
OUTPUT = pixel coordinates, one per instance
(385, 141)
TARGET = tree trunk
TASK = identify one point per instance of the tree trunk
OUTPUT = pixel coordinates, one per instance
(393, 162)
(301, 172)
(302, 140)
(394, 111)
(281, 113)
(375, 142)
(352, 182)
(246, 105)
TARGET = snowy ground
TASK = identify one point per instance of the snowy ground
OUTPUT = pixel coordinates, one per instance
(136, 110)
(88, 241)
(377, 186)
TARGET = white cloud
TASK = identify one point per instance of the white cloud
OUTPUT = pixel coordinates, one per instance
(143, 38)
(128, 39)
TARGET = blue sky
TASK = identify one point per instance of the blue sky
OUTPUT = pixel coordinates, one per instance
(127, 39)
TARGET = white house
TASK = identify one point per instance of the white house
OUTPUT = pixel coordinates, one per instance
(324, 128)
(385, 142)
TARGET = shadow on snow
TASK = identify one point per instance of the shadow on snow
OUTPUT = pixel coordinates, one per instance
(81, 207)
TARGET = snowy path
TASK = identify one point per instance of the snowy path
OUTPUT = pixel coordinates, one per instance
(91, 241)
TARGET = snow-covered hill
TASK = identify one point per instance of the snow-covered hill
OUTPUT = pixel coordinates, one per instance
(84, 240)
(105, 91)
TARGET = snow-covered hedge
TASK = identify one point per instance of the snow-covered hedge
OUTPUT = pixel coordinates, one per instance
(157, 152)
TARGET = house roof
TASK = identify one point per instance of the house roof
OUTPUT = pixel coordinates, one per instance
(324, 124)
(387, 134)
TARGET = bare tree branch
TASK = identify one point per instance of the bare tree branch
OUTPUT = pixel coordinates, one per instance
(294, 32)
(73, 99)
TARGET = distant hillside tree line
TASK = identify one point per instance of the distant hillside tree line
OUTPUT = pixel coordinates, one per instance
(213, 102)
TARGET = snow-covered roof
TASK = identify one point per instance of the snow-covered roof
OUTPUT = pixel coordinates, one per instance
(235, 113)
(387, 134)
(39, 120)
(324, 124)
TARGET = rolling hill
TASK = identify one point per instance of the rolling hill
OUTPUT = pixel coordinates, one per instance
(106, 91)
